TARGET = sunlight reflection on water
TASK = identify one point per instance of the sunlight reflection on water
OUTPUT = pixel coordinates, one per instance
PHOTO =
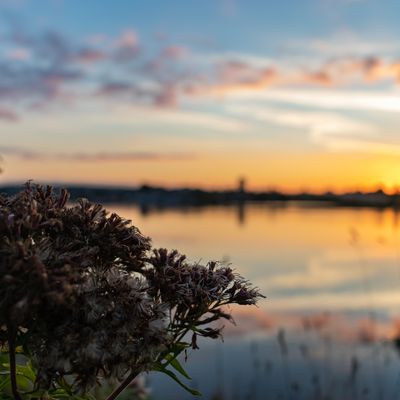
(332, 279)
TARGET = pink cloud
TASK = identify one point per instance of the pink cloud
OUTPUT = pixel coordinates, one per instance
(174, 52)
(236, 76)
(233, 76)
(367, 69)
(129, 39)
(90, 56)
(168, 97)
(56, 71)
(8, 115)
(114, 88)
(376, 69)
(127, 46)
(317, 78)
(27, 154)
(19, 53)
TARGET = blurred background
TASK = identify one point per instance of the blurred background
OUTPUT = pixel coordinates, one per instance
(260, 133)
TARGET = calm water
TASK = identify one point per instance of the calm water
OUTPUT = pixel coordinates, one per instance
(328, 326)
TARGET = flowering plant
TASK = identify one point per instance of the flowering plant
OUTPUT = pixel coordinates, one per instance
(84, 299)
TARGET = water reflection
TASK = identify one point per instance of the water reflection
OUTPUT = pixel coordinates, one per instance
(330, 326)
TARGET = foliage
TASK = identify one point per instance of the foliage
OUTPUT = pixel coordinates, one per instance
(84, 299)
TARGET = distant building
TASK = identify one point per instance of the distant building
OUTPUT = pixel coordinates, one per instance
(242, 186)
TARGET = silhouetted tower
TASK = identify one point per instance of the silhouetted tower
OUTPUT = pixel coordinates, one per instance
(241, 197)
(242, 186)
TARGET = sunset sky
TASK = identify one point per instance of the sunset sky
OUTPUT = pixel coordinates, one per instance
(294, 95)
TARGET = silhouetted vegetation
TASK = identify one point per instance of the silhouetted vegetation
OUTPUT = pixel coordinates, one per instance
(85, 300)
(151, 197)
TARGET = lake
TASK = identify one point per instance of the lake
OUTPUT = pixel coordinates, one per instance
(330, 325)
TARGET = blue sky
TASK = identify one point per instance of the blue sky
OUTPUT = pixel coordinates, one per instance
(289, 94)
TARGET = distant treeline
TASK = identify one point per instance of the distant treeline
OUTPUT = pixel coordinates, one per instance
(149, 196)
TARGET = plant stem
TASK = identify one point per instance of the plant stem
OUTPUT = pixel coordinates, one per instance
(128, 380)
(125, 383)
(13, 366)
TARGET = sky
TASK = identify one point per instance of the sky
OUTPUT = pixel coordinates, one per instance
(291, 95)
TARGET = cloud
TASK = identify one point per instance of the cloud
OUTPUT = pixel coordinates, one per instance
(332, 99)
(127, 46)
(342, 44)
(51, 46)
(33, 155)
(128, 39)
(237, 75)
(8, 115)
(19, 53)
(50, 69)
(114, 88)
(27, 85)
(168, 97)
(233, 76)
(317, 78)
(174, 52)
(332, 130)
(37, 68)
(367, 69)
(160, 95)
(370, 69)
(323, 127)
(89, 56)
(111, 68)
(194, 119)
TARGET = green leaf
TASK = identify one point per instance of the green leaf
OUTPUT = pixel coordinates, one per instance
(177, 348)
(19, 350)
(65, 386)
(4, 382)
(25, 371)
(177, 380)
(173, 361)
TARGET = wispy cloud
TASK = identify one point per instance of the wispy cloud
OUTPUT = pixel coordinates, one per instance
(344, 99)
(233, 76)
(322, 127)
(27, 154)
(177, 118)
(331, 130)
(342, 44)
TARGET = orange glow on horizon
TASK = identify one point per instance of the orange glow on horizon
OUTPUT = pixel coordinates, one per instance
(290, 173)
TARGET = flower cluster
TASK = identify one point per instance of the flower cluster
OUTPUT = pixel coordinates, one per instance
(195, 293)
(83, 295)
(115, 329)
(33, 274)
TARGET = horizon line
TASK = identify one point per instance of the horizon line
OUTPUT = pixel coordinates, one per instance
(185, 186)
